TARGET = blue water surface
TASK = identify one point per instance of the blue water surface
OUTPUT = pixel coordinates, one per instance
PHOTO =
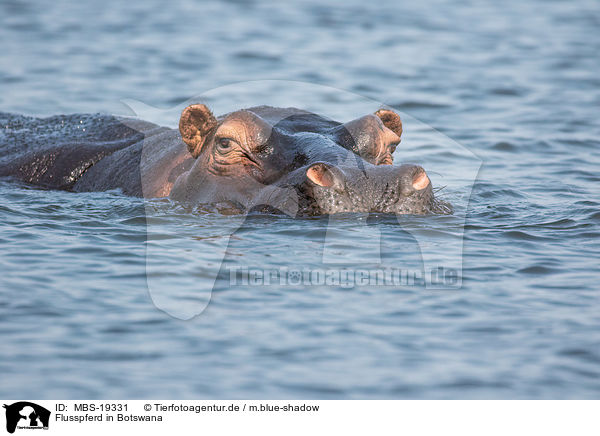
(514, 83)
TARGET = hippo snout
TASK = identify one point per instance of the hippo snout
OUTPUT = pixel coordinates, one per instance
(385, 189)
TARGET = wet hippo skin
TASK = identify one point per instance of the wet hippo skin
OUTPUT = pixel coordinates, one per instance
(261, 158)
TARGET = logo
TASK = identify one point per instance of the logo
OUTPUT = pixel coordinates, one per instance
(26, 415)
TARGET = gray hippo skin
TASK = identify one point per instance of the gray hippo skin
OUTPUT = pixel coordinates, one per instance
(258, 159)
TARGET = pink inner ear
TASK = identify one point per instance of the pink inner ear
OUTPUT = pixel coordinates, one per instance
(319, 175)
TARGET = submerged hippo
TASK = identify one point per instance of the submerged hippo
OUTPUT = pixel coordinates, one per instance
(262, 158)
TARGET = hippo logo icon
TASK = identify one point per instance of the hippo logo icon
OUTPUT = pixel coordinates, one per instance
(26, 415)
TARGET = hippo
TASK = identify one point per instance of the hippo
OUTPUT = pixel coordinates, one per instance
(265, 159)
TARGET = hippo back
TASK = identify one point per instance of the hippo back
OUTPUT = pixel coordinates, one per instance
(54, 152)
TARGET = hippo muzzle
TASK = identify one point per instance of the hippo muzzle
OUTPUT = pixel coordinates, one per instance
(332, 189)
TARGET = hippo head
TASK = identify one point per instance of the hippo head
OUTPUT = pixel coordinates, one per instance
(299, 163)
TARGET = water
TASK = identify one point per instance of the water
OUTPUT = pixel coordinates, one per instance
(514, 83)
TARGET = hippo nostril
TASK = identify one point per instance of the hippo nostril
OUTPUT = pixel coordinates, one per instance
(326, 175)
(320, 175)
(420, 180)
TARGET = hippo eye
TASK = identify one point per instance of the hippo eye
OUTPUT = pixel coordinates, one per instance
(224, 144)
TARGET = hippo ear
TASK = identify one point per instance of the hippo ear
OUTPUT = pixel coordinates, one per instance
(391, 120)
(370, 137)
(195, 125)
